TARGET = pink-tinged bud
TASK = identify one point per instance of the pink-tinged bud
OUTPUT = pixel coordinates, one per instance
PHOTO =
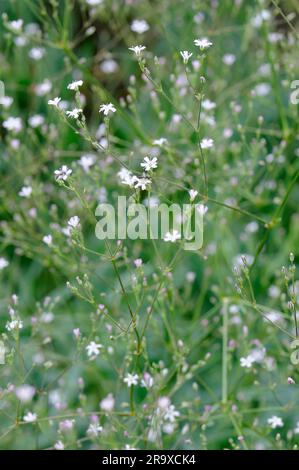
(291, 381)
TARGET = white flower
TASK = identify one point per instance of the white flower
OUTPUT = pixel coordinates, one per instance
(14, 325)
(229, 59)
(275, 422)
(36, 53)
(3, 263)
(25, 393)
(107, 404)
(63, 173)
(138, 262)
(59, 445)
(47, 239)
(94, 3)
(109, 66)
(94, 429)
(54, 102)
(186, 56)
(160, 142)
(247, 361)
(149, 164)
(147, 381)
(16, 25)
(75, 85)
(126, 177)
(206, 143)
(13, 124)
(192, 193)
(75, 113)
(291, 381)
(142, 182)
(131, 379)
(139, 26)
(203, 43)
(296, 430)
(208, 105)
(30, 417)
(107, 108)
(43, 88)
(172, 236)
(36, 120)
(6, 101)
(86, 161)
(171, 414)
(137, 50)
(93, 349)
(25, 191)
(74, 221)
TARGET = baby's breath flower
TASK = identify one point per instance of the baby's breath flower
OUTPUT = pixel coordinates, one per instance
(141, 182)
(63, 173)
(193, 193)
(25, 393)
(3, 263)
(75, 113)
(86, 161)
(131, 379)
(107, 404)
(139, 26)
(149, 164)
(275, 422)
(75, 85)
(55, 102)
(93, 349)
(13, 124)
(203, 43)
(94, 429)
(107, 108)
(14, 325)
(16, 25)
(247, 361)
(186, 56)
(74, 221)
(206, 143)
(291, 381)
(30, 417)
(172, 236)
(59, 445)
(25, 191)
(137, 50)
(160, 142)
(47, 239)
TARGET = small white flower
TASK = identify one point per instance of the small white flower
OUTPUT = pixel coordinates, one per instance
(75, 85)
(275, 422)
(138, 262)
(149, 164)
(94, 429)
(107, 108)
(36, 120)
(186, 56)
(160, 142)
(93, 349)
(137, 50)
(3, 263)
(75, 113)
(74, 221)
(43, 88)
(203, 43)
(192, 193)
(171, 414)
(131, 379)
(13, 124)
(6, 101)
(14, 325)
(36, 53)
(291, 381)
(16, 25)
(94, 3)
(86, 161)
(109, 66)
(25, 393)
(206, 143)
(229, 59)
(208, 105)
(59, 445)
(30, 417)
(247, 361)
(54, 102)
(126, 177)
(25, 191)
(172, 236)
(107, 404)
(63, 173)
(47, 239)
(147, 381)
(139, 26)
(141, 182)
